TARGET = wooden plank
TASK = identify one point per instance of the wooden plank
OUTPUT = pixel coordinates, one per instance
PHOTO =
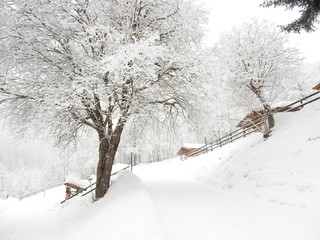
(88, 192)
(301, 105)
(74, 186)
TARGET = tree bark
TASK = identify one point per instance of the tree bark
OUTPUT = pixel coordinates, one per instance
(268, 110)
(269, 121)
(103, 174)
(107, 152)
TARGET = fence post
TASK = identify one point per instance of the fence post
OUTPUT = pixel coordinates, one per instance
(206, 146)
(231, 136)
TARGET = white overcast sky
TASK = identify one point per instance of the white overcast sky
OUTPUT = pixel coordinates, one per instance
(227, 14)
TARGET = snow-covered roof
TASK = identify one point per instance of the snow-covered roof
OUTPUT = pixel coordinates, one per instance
(192, 145)
(282, 103)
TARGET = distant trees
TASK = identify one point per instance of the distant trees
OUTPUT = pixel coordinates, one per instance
(68, 64)
(3, 181)
(310, 10)
(256, 62)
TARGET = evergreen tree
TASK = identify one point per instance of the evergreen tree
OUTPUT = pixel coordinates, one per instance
(310, 10)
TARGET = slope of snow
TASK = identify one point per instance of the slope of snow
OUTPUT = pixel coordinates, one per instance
(255, 189)
(34, 216)
(127, 212)
(283, 169)
(247, 190)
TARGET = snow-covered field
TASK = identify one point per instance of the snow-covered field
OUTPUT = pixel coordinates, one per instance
(248, 190)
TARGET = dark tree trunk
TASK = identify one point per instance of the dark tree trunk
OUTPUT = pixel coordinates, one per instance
(103, 173)
(268, 110)
(269, 123)
(107, 153)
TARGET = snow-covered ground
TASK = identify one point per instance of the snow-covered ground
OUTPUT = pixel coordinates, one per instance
(248, 190)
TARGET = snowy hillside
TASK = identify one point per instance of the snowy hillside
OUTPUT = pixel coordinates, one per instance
(284, 169)
(250, 189)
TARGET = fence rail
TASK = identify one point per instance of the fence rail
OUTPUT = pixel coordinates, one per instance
(84, 191)
(251, 127)
(39, 191)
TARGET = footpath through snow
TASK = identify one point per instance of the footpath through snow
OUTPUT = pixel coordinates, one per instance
(189, 209)
(248, 190)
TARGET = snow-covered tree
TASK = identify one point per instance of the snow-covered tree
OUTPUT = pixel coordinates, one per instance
(256, 63)
(70, 64)
(4, 178)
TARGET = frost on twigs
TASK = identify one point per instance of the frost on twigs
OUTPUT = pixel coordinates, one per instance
(257, 65)
(68, 65)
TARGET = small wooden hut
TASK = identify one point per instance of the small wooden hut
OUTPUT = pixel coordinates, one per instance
(317, 87)
(75, 185)
(252, 119)
(70, 188)
(188, 147)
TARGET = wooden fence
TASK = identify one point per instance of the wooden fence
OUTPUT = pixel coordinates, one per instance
(61, 184)
(91, 187)
(251, 127)
(39, 191)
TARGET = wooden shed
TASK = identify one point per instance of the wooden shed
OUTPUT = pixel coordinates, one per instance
(251, 119)
(188, 147)
(74, 185)
(255, 116)
(317, 87)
